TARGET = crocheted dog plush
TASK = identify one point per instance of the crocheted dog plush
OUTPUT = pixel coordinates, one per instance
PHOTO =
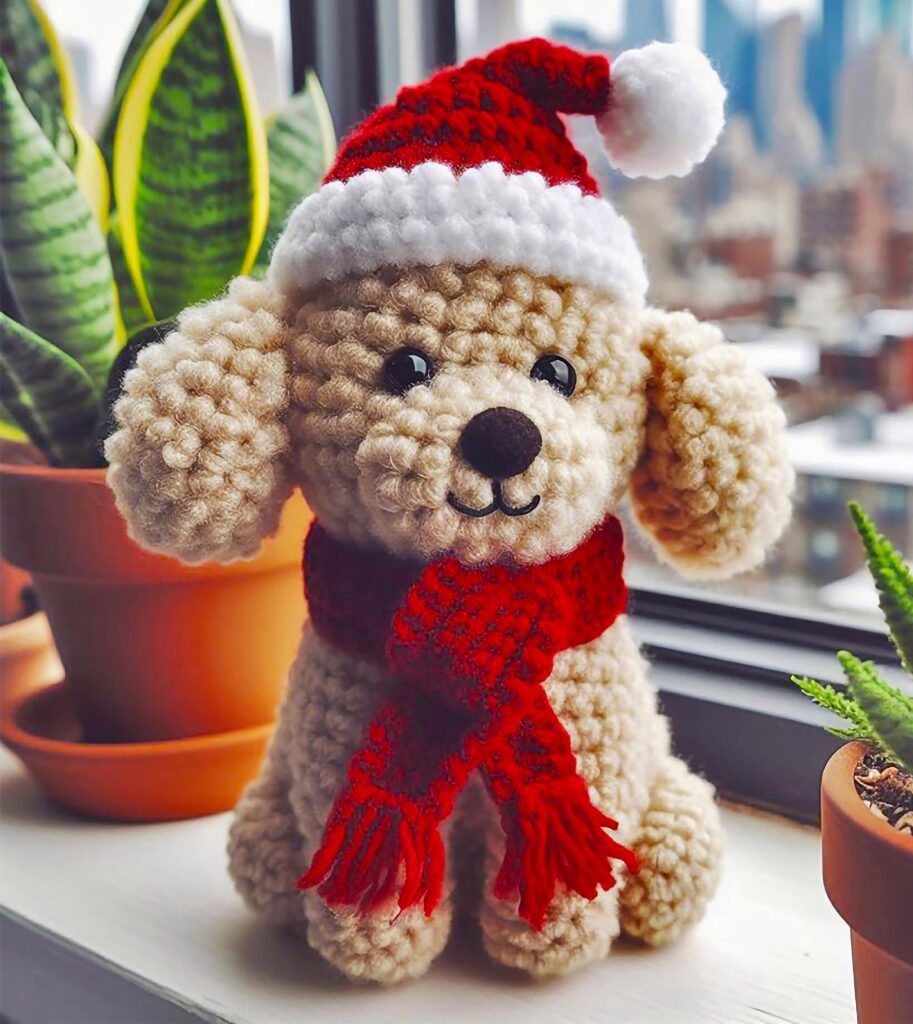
(451, 356)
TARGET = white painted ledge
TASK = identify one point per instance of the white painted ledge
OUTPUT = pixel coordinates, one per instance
(115, 924)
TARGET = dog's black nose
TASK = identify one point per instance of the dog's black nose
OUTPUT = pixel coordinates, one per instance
(500, 442)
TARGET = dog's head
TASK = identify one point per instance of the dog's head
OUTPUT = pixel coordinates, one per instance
(495, 415)
(486, 413)
(427, 393)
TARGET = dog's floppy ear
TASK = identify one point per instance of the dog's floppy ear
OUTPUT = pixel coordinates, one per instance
(712, 486)
(197, 460)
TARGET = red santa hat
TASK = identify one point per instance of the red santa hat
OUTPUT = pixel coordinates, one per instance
(476, 164)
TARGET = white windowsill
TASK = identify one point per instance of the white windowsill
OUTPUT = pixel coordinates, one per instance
(153, 904)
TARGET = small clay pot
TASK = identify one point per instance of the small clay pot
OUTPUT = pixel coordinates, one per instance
(152, 649)
(161, 781)
(868, 875)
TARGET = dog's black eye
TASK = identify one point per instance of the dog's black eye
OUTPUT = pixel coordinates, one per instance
(407, 368)
(557, 371)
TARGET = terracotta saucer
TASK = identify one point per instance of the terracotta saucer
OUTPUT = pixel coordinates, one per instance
(160, 781)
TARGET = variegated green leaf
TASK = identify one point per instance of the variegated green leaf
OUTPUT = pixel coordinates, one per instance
(131, 310)
(54, 254)
(9, 428)
(156, 14)
(48, 394)
(190, 165)
(37, 72)
(302, 145)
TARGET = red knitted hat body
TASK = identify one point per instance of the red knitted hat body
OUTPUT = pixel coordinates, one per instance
(505, 108)
(475, 164)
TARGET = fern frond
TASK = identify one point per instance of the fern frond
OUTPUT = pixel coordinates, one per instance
(850, 733)
(894, 582)
(888, 710)
(840, 704)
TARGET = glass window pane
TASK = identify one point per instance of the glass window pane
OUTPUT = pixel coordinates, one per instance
(795, 236)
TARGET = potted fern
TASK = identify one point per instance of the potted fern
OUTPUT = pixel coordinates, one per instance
(867, 800)
(102, 246)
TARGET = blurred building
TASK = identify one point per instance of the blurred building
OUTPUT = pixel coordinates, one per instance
(845, 221)
(825, 56)
(875, 107)
(898, 261)
(789, 128)
(861, 454)
(731, 42)
(740, 235)
(645, 21)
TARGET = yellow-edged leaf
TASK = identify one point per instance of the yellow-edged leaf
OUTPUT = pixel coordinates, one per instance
(89, 166)
(191, 179)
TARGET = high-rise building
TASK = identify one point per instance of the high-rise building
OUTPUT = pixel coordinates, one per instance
(789, 128)
(731, 43)
(846, 28)
(826, 53)
(875, 107)
(884, 17)
(645, 21)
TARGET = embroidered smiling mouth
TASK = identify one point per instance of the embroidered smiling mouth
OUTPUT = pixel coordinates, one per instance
(498, 504)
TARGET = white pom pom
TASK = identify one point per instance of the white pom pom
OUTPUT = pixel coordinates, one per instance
(665, 110)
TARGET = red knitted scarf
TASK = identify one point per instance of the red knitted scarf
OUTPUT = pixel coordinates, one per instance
(470, 649)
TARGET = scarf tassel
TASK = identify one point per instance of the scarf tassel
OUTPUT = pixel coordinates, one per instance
(554, 835)
(370, 850)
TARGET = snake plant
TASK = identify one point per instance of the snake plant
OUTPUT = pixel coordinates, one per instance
(872, 709)
(187, 187)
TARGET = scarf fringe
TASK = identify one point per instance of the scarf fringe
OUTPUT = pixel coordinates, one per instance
(370, 850)
(555, 835)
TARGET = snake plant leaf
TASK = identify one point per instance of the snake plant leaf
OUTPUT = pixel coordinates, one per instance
(191, 180)
(132, 313)
(38, 63)
(302, 144)
(156, 15)
(9, 429)
(92, 176)
(54, 254)
(48, 393)
(39, 69)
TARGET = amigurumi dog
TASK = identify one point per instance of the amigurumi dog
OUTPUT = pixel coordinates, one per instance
(451, 356)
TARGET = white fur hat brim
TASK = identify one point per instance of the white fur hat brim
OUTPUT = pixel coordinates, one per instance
(431, 215)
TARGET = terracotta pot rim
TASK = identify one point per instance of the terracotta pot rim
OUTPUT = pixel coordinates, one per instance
(65, 474)
(838, 783)
(64, 524)
(15, 736)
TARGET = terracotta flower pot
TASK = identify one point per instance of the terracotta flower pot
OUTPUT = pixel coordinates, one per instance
(158, 781)
(152, 649)
(868, 875)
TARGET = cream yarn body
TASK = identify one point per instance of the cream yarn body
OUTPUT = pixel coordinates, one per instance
(602, 696)
(258, 392)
